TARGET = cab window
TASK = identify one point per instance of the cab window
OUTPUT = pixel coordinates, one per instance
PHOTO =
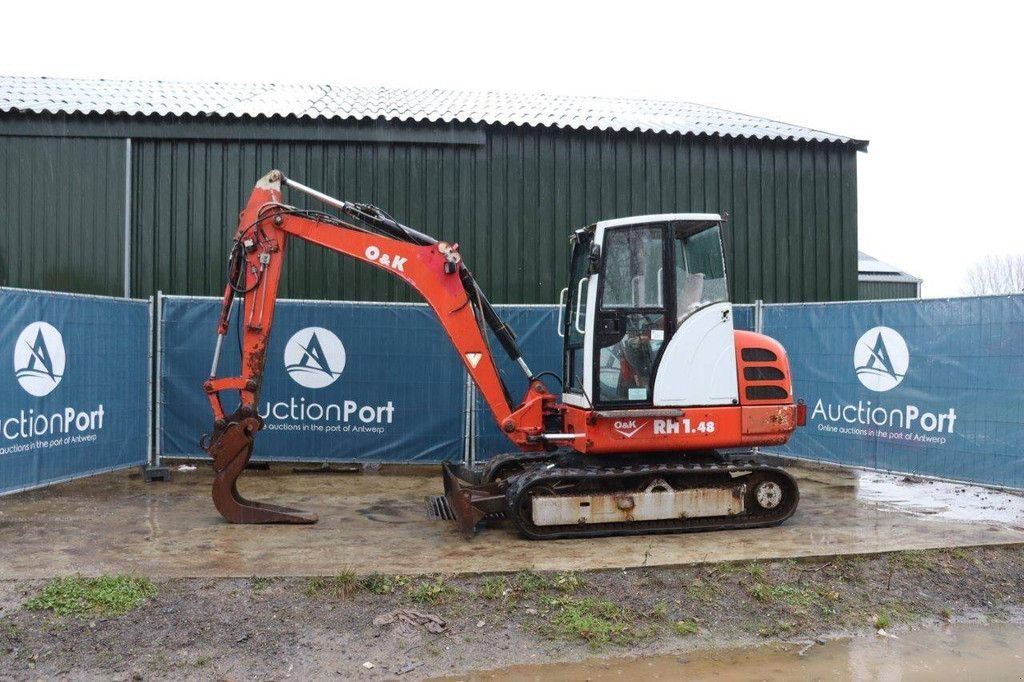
(700, 267)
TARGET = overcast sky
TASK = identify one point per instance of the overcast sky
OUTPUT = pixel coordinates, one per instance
(936, 90)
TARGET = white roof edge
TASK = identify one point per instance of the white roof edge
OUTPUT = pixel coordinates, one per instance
(902, 277)
(657, 218)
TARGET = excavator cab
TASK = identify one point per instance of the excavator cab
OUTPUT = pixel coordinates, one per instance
(645, 319)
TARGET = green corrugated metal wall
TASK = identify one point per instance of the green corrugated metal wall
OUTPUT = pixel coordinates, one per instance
(877, 291)
(62, 214)
(510, 197)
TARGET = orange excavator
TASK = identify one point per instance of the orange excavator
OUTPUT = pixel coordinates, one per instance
(662, 400)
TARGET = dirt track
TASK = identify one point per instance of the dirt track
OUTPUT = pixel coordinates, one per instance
(291, 627)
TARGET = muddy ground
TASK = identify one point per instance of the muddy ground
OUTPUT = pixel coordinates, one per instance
(312, 628)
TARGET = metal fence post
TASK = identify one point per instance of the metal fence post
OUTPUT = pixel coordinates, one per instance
(159, 368)
(155, 470)
(758, 328)
(150, 450)
(128, 218)
(467, 435)
(470, 421)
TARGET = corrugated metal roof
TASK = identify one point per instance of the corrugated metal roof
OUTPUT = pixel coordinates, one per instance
(177, 98)
(870, 269)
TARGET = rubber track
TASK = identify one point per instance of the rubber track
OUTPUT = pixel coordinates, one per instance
(523, 458)
(753, 516)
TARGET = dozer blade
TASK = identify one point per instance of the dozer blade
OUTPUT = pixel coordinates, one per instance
(470, 502)
(231, 450)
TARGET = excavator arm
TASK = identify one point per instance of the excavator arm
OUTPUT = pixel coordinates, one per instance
(434, 268)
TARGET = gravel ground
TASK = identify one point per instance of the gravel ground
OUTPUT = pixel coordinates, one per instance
(413, 627)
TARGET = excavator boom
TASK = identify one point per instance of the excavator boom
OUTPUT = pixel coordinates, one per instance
(434, 268)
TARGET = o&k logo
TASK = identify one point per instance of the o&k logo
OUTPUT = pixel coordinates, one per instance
(314, 357)
(628, 429)
(39, 358)
(881, 359)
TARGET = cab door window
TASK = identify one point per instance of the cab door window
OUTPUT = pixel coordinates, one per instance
(631, 316)
(574, 315)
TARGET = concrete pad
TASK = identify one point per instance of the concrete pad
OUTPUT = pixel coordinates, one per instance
(377, 522)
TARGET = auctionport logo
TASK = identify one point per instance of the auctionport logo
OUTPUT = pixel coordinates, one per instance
(39, 358)
(881, 359)
(314, 357)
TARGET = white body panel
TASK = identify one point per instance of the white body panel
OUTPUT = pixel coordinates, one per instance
(699, 364)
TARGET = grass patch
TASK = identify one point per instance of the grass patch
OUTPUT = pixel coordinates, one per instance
(703, 591)
(201, 661)
(377, 583)
(796, 597)
(494, 587)
(568, 582)
(960, 553)
(965, 554)
(107, 595)
(756, 571)
(912, 560)
(882, 621)
(344, 583)
(315, 586)
(779, 628)
(430, 591)
(526, 582)
(259, 584)
(726, 568)
(339, 586)
(592, 620)
(687, 627)
(660, 610)
(849, 567)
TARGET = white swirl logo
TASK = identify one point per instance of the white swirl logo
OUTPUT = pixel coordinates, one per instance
(39, 358)
(881, 359)
(314, 357)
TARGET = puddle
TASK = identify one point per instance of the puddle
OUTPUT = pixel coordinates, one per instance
(983, 652)
(938, 499)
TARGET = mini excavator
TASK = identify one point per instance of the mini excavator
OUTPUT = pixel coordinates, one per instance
(662, 401)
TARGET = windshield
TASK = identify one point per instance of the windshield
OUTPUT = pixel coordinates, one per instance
(700, 267)
(633, 265)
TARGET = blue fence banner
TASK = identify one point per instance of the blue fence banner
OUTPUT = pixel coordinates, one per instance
(536, 330)
(931, 387)
(352, 382)
(75, 399)
(743, 317)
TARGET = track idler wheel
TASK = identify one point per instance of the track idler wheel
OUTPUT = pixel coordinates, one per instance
(231, 448)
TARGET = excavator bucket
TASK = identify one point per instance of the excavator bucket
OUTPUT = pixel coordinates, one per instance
(470, 502)
(231, 450)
